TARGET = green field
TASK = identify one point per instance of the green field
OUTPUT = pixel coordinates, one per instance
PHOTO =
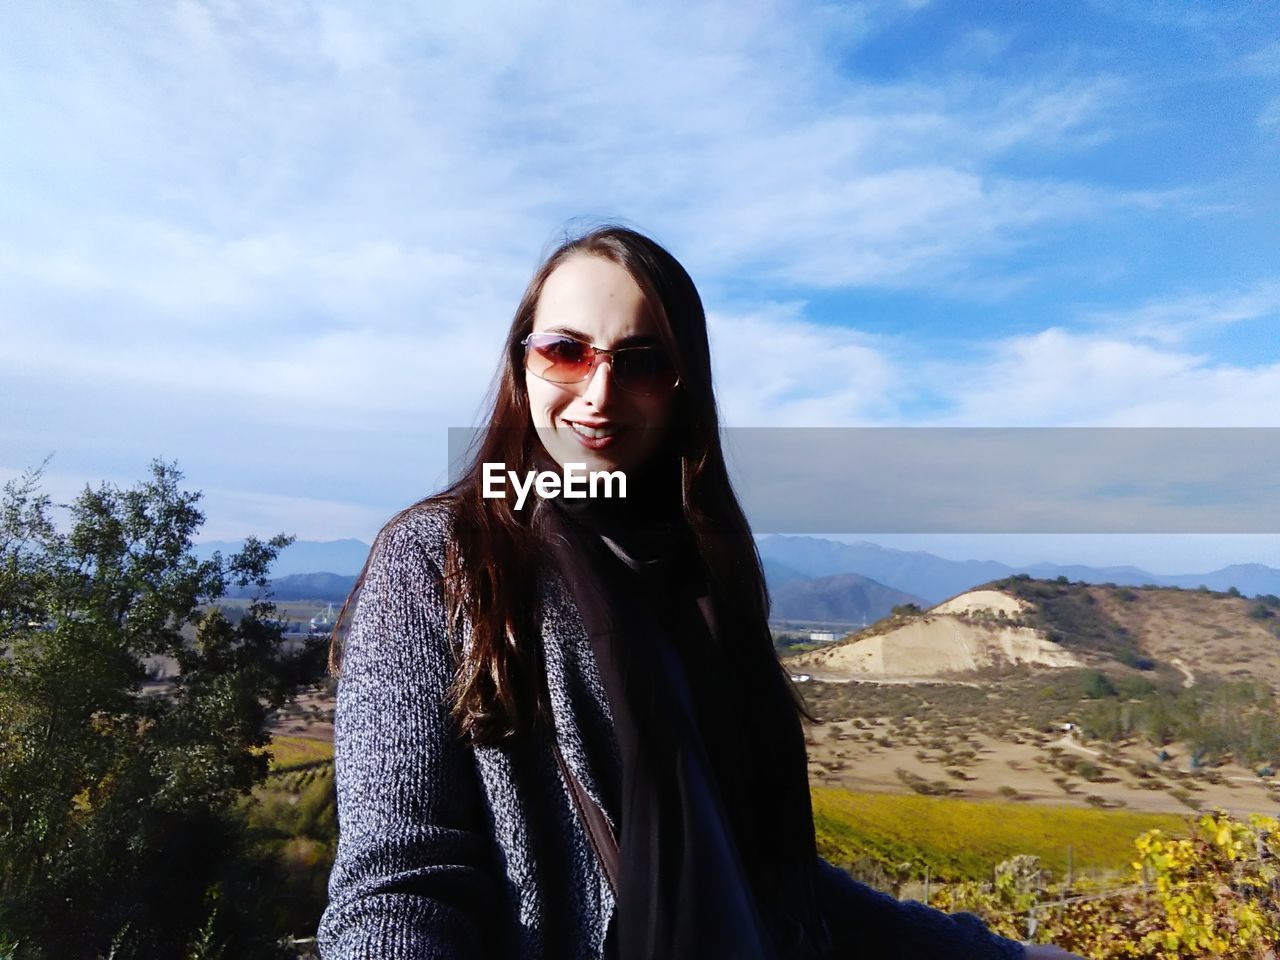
(290, 752)
(961, 839)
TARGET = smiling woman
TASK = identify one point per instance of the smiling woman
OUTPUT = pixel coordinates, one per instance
(563, 731)
(599, 378)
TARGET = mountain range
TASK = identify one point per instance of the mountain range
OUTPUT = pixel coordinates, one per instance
(844, 598)
(810, 578)
(935, 578)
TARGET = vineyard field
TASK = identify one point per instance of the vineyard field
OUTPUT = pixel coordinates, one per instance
(289, 752)
(962, 839)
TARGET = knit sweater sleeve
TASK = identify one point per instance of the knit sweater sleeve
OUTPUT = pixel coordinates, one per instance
(412, 878)
(864, 922)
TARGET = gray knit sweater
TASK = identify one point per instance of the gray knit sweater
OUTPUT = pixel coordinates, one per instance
(451, 851)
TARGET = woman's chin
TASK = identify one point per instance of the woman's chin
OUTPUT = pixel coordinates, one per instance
(589, 460)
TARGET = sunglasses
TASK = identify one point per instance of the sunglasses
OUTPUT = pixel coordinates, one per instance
(560, 359)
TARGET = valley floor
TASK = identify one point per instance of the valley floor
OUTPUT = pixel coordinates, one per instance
(956, 740)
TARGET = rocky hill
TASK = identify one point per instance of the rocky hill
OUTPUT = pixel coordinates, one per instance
(1052, 624)
(973, 631)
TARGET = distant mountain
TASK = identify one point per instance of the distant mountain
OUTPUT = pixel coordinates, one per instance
(343, 557)
(778, 574)
(1129, 576)
(324, 587)
(935, 579)
(914, 572)
(844, 598)
(1251, 579)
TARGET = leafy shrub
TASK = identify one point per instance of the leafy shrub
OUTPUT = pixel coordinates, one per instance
(120, 833)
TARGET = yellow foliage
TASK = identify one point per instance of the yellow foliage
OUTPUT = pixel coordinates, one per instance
(287, 752)
(1210, 894)
(963, 839)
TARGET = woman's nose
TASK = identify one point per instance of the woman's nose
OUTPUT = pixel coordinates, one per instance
(600, 385)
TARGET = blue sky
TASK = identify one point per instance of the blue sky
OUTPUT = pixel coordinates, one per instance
(280, 242)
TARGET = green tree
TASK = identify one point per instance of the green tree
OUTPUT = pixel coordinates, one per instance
(1096, 685)
(116, 835)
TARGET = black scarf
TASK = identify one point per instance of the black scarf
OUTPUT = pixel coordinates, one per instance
(693, 864)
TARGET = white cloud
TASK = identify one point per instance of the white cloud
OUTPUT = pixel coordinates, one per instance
(252, 141)
(774, 369)
(1264, 61)
(1060, 378)
(160, 278)
(300, 194)
(307, 518)
(376, 378)
(1269, 116)
(980, 44)
(1172, 321)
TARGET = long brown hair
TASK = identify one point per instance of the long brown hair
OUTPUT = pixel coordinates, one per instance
(492, 559)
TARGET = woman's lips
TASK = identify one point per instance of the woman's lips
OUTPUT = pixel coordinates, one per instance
(589, 438)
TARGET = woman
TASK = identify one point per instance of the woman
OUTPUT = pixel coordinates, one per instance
(561, 729)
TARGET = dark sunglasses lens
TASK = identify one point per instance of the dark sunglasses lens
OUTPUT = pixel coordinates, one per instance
(558, 359)
(644, 370)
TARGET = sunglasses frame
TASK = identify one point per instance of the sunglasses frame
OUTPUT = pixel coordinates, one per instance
(595, 353)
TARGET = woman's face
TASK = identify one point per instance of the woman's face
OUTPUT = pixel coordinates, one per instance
(596, 300)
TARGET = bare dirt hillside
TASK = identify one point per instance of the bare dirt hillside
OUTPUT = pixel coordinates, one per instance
(975, 631)
(1190, 635)
(983, 601)
(1208, 634)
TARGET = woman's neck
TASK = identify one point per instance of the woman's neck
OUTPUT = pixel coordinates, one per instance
(653, 500)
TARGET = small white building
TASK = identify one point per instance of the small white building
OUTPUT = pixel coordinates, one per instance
(822, 636)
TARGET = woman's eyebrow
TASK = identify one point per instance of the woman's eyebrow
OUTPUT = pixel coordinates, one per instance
(635, 340)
